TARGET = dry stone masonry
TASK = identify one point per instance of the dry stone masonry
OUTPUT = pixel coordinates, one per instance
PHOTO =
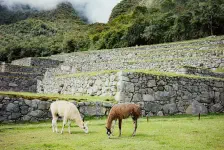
(100, 85)
(171, 95)
(23, 110)
(90, 73)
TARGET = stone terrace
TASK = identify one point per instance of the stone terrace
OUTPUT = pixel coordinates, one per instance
(153, 81)
(23, 75)
(206, 53)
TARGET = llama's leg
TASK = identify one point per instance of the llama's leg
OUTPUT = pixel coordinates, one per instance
(64, 123)
(69, 127)
(54, 124)
(120, 122)
(113, 126)
(135, 123)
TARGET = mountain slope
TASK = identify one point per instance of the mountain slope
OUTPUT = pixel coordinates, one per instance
(158, 21)
(132, 22)
(42, 34)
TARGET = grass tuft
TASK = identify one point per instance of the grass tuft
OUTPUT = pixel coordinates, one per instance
(45, 97)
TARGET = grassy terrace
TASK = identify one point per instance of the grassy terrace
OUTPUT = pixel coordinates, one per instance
(84, 98)
(166, 133)
(151, 72)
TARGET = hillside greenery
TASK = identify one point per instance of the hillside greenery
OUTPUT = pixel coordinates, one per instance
(131, 23)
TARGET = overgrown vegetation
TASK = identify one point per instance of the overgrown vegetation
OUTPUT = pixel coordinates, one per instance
(167, 133)
(161, 21)
(131, 23)
(83, 98)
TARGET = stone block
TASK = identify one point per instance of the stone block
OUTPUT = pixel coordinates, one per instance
(170, 108)
(147, 97)
(151, 83)
(198, 108)
(216, 108)
(152, 107)
(160, 113)
(12, 107)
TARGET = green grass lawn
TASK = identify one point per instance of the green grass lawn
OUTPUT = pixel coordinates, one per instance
(180, 132)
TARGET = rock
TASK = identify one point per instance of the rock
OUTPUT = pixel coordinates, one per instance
(216, 108)
(13, 85)
(219, 84)
(129, 87)
(151, 83)
(198, 108)
(28, 102)
(137, 97)
(122, 97)
(36, 113)
(24, 110)
(205, 97)
(152, 107)
(189, 110)
(180, 106)
(161, 82)
(15, 115)
(1, 97)
(90, 92)
(150, 114)
(35, 103)
(222, 99)
(160, 113)
(3, 118)
(148, 97)
(1, 105)
(26, 118)
(162, 96)
(160, 88)
(81, 104)
(107, 105)
(170, 108)
(42, 105)
(12, 107)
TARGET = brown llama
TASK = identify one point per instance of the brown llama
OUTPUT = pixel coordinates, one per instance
(123, 111)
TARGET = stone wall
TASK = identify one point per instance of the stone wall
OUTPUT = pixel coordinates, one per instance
(22, 110)
(23, 69)
(201, 72)
(171, 95)
(100, 85)
(155, 93)
(18, 83)
(162, 57)
(39, 62)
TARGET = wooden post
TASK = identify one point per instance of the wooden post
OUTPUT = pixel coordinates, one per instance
(147, 116)
(199, 116)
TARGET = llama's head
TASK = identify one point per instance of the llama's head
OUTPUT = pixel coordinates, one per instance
(108, 132)
(85, 128)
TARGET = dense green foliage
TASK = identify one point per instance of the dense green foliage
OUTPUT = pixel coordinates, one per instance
(131, 23)
(162, 21)
(123, 7)
(43, 33)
